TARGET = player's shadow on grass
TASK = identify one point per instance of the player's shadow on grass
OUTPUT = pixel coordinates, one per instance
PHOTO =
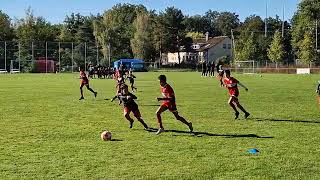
(155, 105)
(200, 134)
(116, 140)
(286, 120)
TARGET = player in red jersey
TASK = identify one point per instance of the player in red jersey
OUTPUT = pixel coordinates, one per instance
(232, 85)
(85, 82)
(168, 102)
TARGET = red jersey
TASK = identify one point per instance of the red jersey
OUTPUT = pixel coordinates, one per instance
(167, 92)
(232, 85)
(83, 77)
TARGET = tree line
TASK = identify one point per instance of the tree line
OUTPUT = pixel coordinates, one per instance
(133, 31)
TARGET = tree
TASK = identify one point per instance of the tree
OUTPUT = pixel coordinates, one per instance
(276, 50)
(211, 18)
(197, 23)
(252, 23)
(6, 31)
(227, 21)
(195, 35)
(116, 28)
(249, 50)
(304, 22)
(141, 43)
(307, 53)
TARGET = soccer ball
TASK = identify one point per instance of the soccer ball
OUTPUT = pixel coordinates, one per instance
(106, 135)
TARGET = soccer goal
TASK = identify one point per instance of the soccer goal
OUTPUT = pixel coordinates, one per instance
(246, 67)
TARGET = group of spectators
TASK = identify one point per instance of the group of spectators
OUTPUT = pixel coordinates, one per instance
(208, 68)
(103, 72)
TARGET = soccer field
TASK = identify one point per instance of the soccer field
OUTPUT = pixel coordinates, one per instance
(46, 132)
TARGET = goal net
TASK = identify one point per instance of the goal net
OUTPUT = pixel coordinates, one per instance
(246, 67)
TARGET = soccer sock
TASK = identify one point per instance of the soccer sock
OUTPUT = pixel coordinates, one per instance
(242, 109)
(234, 107)
(129, 118)
(159, 121)
(142, 122)
(180, 118)
(81, 92)
(91, 90)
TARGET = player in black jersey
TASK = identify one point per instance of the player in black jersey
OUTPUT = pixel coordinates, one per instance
(130, 105)
(131, 77)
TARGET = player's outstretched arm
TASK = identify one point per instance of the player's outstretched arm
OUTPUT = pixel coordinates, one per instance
(242, 85)
(163, 99)
(132, 96)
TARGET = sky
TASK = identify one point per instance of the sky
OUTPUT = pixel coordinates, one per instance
(55, 11)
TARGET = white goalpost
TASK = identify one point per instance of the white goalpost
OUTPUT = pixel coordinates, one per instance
(246, 67)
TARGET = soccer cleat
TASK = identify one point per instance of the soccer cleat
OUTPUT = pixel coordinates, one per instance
(190, 126)
(81, 98)
(246, 115)
(161, 130)
(236, 115)
(131, 124)
(95, 94)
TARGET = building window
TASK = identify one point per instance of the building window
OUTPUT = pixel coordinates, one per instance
(229, 46)
(224, 46)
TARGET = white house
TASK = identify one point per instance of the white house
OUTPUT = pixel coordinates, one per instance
(205, 49)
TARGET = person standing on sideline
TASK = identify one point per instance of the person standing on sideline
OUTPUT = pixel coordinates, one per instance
(212, 69)
(208, 69)
(204, 69)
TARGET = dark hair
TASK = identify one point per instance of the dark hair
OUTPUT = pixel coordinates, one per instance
(162, 78)
(81, 67)
(123, 86)
(227, 71)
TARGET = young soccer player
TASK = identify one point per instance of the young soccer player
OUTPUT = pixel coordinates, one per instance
(130, 105)
(220, 77)
(168, 102)
(85, 82)
(131, 77)
(232, 85)
(120, 81)
(318, 92)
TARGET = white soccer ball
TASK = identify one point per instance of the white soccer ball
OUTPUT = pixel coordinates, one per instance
(106, 135)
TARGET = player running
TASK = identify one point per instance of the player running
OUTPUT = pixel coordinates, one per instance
(168, 102)
(131, 77)
(85, 82)
(232, 85)
(120, 82)
(130, 105)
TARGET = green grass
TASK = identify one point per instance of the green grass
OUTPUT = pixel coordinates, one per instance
(47, 133)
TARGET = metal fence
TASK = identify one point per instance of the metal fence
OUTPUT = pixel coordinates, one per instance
(67, 56)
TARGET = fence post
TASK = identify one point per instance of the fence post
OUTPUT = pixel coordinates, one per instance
(85, 56)
(72, 57)
(59, 56)
(32, 50)
(46, 57)
(5, 55)
(97, 54)
(19, 56)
